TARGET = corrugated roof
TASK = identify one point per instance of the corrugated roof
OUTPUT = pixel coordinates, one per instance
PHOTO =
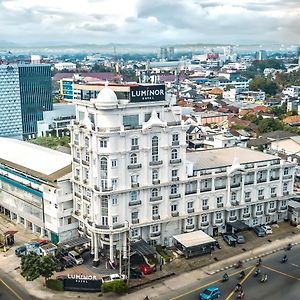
(194, 238)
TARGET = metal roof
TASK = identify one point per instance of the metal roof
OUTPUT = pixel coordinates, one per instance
(74, 242)
(194, 238)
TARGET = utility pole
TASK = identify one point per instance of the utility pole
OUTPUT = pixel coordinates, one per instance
(128, 260)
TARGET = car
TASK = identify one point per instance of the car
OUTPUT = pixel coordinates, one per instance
(44, 242)
(267, 229)
(135, 273)
(76, 257)
(259, 231)
(27, 248)
(229, 239)
(210, 293)
(21, 251)
(113, 277)
(240, 239)
(146, 269)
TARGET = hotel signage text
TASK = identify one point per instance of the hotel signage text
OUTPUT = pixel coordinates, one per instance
(147, 93)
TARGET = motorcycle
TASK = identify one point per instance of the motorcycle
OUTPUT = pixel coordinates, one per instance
(242, 275)
(289, 247)
(256, 273)
(239, 264)
(241, 295)
(264, 278)
(225, 278)
(258, 262)
(284, 260)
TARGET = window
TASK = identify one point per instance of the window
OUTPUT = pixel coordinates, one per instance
(233, 196)
(204, 202)
(103, 172)
(189, 221)
(286, 171)
(259, 207)
(114, 200)
(174, 154)
(174, 173)
(133, 159)
(103, 143)
(155, 228)
(87, 157)
(114, 163)
(134, 179)
(77, 154)
(173, 207)
(86, 141)
(155, 210)
(272, 205)
(232, 213)
(155, 148)
(135, 232)
(154, 192)
(86, 174)
(154, 174)
(134, 215)
(246, 210)
(133, 196)
(76, 137)
(70, 220)
(285, 187)
(77, 172)
(134, 142)
(273, 190)
(114, 219)
(131, 120)
(247, 195)
(218, 215)
(114, 183)
(147, 116)
(175, 137)
(219, 199)
(204, 218)
(190, 205)
(254, 222)
(260, 192)
(173, 189)
(283, 203)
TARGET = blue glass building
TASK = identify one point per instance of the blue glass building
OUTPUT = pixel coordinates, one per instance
(36, 95)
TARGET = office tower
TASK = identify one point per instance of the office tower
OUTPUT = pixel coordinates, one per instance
(35, 91)
(261, 55)
(10, 102)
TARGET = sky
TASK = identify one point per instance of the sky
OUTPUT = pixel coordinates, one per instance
(151, 22)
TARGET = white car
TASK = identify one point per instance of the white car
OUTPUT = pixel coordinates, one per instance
(76, 257)
(113, 277)
(267, 229)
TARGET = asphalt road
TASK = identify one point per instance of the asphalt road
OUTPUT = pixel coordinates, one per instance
(283, 280)
(10, 290)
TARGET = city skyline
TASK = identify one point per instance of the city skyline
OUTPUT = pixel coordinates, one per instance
(33, 23)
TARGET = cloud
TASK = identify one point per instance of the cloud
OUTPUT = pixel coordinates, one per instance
(143, 21)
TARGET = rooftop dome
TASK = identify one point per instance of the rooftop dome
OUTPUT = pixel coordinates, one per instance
(106, 97)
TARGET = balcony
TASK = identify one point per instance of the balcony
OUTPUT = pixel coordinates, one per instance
(190, 210)
(273, 195)
(282, 208)
(175, 143)
(232, 218)
(175, 213)
(204, 224)
(174, 196)
(234, 203)
(220, 187)
(218, 221)
(134, 203)
(134, 147)
(235, 185)
(189, 226)
(219, 205)
(260, 180)
(155, 163)
(86, 198)
(205, 189)
(246, 216)
(287, 176)
(157, 198)
(261, 197)
(156, 181)
(259, 213)
(96, 188)
(175, 179)
(77, 195)
(156, 217)
(76, 142)
(76, 177)
(135, 184)
(249, 182)
(134, 166)
(271, 210)
(285, 193)
(205, 207)
(135, 221)
(247, 199)
(272, 178)
(107, 189)
(191, 192)
(86, 163)
(76, 160)
(118, 225)
(154, 234)
(175, 161)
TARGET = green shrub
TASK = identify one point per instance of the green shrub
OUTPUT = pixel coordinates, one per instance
(116, 286)
(55, 284)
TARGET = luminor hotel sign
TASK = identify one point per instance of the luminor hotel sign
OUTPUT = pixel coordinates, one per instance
(147, 93)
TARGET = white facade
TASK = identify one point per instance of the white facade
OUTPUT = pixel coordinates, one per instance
(37, 196)
(65, 65)
(132, 175)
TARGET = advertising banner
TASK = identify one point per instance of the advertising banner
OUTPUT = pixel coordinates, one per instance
(147, 93)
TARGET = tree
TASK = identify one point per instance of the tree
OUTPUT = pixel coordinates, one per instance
(262, 83)
(52, 142)
(33, 266)
(116, 286)
(268, 125)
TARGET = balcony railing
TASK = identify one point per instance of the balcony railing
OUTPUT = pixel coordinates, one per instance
(271, 210)
(190, 210)
(273, 195)
(220, 187)
(235, 185)
(246, 215)
(282, 208)
(218, 221)
(155, 234)
(156, 217)
(86, 198)
(232, 218)
(175, 143)
(135, 184)
(134, 166)
(247, 199)
(86, 163)
(156, 198)
(259, 213)
(107, 189)
(287, 176)
(189, 226)
(76, 160)
(134, 203)
(205, 207)
(156, 181)
(135, 221)
(261, 197)
(134, 147)
(272, 178)
(260, 180)
(155, 163)
(175, 161)
(249, 182)
(175, 213)
(204, 224)
(174, 196)
(220, 205)
(285, 193)
(77, 195)
(205, 189)
(175, 179)
(234, 203)
(191, 192)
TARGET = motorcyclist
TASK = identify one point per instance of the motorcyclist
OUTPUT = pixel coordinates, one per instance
(259, 262)
(242, 274)
(284, 258)
(146, 298)
(241, 294)
(239, 287)
(225, 277)
(257, 271)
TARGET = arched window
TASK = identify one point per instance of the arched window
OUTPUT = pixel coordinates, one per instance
(103, 172)
(173, 189)
(174, 154)
(86, 141)
(155, 148)
(154, 210)
(154, 192)
(233, 196)
(133, 159)
(154, 175)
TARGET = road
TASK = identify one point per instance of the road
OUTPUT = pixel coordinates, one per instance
(10, 290)
(283, 280)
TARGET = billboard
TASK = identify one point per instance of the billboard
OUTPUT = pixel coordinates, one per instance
(82, 283)
(147, 93)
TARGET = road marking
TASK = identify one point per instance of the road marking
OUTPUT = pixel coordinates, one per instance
(13, 291)
(242, 281)
(205, 285)
(282, 273)
(295, 265)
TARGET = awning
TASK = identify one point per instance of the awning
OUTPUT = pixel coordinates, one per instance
(239, 225)
(74, 242)
(143, 248)
(194, 238)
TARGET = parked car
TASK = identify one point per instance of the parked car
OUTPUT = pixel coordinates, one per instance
(135, 273)
(259, 231)
(76, 257)
(27, 248)
(146, 269)
(113, 277)
(229, 239)
(240, 239)
(267, 229)
(210, 293)
(20, 251)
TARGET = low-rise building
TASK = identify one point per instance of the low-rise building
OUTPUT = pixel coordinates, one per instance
(35, 189)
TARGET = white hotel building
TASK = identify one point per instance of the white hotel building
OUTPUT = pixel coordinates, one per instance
(132, 175)
(35, 189)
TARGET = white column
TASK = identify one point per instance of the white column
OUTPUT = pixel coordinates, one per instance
(96, 253)
(92, 243)
(18, 219)
(125, 245)
(111, 247)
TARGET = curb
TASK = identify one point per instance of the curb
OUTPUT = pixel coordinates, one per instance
(250, 259)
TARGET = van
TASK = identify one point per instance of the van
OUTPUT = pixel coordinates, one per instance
(76, 257)
(259, 231)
